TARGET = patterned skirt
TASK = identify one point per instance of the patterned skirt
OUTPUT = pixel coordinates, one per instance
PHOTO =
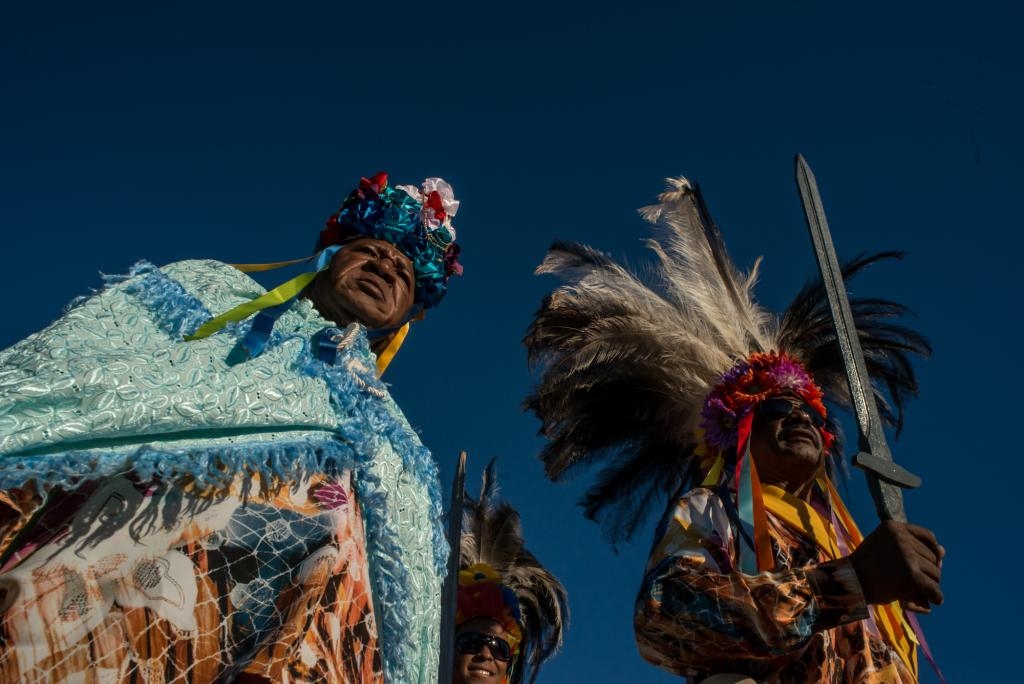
(129, 581)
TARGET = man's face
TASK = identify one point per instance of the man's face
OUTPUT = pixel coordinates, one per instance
(369, 281)
(787, 448)
(481, 667)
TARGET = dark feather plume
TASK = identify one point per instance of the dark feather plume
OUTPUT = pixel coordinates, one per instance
(625, 362)
(808, 332)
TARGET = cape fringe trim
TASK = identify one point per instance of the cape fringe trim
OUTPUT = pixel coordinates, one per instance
(359, 399)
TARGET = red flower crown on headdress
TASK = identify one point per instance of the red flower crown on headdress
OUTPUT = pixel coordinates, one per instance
(747, 384)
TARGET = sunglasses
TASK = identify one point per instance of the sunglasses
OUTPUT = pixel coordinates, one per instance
(779, 407)
(471, 643)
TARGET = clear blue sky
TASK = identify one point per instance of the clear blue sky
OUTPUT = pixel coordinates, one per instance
(166, 133)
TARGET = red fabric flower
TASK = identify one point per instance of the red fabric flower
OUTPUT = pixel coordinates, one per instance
(747, 384)
(434, 202)
(331, 234)
(370, 188)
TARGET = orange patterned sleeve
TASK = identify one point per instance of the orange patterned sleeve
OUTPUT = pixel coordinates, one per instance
(696, 613)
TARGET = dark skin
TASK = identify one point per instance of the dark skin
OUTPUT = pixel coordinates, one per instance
(897, 561)
(370, 281)
(788, 451)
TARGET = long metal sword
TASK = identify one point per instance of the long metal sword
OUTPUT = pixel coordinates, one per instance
(885, 478)
(449, 591)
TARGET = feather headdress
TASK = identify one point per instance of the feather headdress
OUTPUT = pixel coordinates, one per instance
(628, 364)
(498, 570)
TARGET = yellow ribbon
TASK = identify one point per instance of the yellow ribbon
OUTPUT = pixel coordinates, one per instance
(715, 473)
(802, 517)
(257, 268)
(384, 358)
(891, 618)
(279, 295)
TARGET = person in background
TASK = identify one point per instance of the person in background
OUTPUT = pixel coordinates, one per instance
(512, 612)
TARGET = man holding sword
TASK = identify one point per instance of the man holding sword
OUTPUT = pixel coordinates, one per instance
(689, 389)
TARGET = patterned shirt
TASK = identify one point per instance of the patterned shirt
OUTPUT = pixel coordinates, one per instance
(806, 621)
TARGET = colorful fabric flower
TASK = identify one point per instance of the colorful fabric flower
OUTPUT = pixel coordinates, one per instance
(416, 220)
(747, 384)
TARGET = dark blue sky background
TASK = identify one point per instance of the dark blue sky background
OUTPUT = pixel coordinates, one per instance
(232, 131)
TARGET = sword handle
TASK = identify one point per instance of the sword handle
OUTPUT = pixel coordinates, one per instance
(888, 499)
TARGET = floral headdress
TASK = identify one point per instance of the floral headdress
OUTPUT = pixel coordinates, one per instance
(747, 384)
(653, 376)
(416, 220)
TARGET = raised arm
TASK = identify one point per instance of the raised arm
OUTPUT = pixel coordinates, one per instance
(697, 613)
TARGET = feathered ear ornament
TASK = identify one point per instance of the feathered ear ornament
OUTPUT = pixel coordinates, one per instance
(500, 579)
(629, 365)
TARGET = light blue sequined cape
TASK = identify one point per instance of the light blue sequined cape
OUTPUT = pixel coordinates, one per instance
(112, 386)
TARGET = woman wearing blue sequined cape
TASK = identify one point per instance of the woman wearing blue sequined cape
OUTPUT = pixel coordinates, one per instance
(170, 514)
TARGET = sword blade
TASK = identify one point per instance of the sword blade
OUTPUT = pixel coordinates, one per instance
(875, 457)
(449, 591)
